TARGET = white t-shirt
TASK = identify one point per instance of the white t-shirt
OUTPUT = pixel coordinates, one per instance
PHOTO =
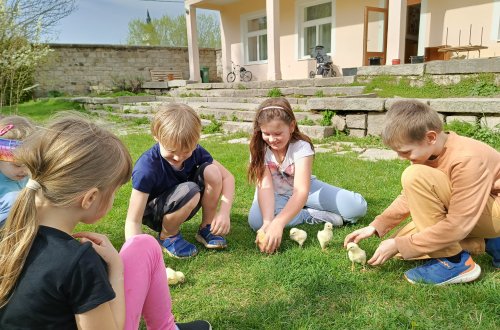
(283, 174)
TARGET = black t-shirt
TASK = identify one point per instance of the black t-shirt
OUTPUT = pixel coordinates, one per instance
(61, 278)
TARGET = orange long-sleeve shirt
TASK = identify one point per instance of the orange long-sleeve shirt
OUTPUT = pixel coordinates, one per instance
(473, 168)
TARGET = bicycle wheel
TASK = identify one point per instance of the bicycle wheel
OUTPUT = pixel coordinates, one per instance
(230, 77)
(246, 76)
(312, 74)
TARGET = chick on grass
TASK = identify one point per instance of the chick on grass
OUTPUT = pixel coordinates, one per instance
(325, 235)
(356, 255)
(298, 236)
(174, 277)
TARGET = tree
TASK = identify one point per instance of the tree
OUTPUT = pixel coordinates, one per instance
(36, 17)
(172, 31)
(21, 25)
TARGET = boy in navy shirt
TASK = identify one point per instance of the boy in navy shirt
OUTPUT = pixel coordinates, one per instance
(173, 179)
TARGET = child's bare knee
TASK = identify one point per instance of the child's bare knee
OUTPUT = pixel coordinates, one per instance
(212, 175)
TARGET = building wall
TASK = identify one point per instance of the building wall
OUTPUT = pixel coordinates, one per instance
(77, 69)
(457, 16)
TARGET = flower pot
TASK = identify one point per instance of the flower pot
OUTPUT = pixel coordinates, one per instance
(396, 61)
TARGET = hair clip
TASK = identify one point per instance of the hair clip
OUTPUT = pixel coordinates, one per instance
(6, 129)
(272, 107)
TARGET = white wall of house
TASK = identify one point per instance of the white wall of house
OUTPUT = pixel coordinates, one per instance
(244, 31)
(457, 16)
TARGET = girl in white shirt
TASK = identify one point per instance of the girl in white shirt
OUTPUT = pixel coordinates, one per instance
(287, 193)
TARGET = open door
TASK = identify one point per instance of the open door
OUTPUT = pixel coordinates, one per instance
(375, 35)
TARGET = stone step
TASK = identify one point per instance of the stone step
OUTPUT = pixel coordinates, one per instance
(314, 131)
(286, 91)
(248, 115)
(319, 82)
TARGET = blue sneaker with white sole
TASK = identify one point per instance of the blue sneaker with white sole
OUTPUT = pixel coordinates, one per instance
(209, 240)
(442, 271)
(493, 249)
(176, 246)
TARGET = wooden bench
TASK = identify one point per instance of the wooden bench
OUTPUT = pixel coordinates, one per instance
(165, 75)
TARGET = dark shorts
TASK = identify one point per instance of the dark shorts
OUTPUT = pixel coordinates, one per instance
(174, 199)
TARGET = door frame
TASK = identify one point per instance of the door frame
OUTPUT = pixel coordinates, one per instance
(366, 53)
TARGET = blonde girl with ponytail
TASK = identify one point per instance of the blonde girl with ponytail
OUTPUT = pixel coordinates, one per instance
(52, 278)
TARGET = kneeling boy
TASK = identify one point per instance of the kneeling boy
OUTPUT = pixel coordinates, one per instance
(451, 191)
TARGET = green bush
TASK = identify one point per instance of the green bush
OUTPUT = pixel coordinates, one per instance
(327, 118)
(274, 92)
(476, 132)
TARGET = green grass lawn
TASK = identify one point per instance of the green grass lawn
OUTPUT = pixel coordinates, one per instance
(240, 288)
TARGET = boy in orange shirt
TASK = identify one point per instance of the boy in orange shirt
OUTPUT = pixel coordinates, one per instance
(451, 191)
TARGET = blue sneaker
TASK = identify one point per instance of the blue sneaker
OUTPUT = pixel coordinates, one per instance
(442, 271)
(178, 247)
(210, 240)
(493, 249)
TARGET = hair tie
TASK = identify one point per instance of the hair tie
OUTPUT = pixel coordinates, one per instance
(33, 185)
(273, 107)
(6, 129)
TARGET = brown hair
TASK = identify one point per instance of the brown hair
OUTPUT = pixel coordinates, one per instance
(68, 158)
(408, 121)
(282, 111)
(177, 126)
(21, 127)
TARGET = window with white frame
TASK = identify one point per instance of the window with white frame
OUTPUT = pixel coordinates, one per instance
(315, 19)
(255, 38)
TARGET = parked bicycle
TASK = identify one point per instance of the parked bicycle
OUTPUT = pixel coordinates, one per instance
(324, 64)
(245, 75)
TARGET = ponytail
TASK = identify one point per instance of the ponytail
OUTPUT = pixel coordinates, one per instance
(16, 238)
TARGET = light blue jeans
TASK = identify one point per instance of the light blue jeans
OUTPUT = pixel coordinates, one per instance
(322, 196)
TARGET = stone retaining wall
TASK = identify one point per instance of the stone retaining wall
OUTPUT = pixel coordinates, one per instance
(365, 116)
(80, 69)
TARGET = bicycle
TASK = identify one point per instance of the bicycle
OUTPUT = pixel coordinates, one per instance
(245, 75)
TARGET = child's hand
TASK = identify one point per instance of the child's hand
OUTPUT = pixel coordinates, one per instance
(359, 235)
(221, 224)
(386, 250)
(272, 242)
(102, 246)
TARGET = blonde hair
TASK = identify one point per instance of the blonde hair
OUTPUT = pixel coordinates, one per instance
(176, 126)
(408, 121)
(68, 158)
(271, 109)
(20, 127)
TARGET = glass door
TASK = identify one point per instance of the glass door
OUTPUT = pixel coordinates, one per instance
(375, 36)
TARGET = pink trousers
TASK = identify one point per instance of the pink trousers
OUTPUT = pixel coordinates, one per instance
(146, 287)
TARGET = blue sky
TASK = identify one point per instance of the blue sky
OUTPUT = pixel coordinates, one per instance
(106, 21)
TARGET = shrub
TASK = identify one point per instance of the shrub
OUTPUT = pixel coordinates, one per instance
(327, 118)
(274, 92)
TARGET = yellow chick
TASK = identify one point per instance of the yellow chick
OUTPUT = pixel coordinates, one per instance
(325, 235)
(174, 277)
(298, 235)
(356, 254)
(260, 239)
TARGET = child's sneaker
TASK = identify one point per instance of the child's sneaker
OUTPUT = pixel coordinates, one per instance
(493, 249)
(325, 216)
(442, 271)
(178, 247)
(210, 240)
(195, 325)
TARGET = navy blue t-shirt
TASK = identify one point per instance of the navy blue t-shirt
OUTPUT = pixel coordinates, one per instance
(153, 175)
